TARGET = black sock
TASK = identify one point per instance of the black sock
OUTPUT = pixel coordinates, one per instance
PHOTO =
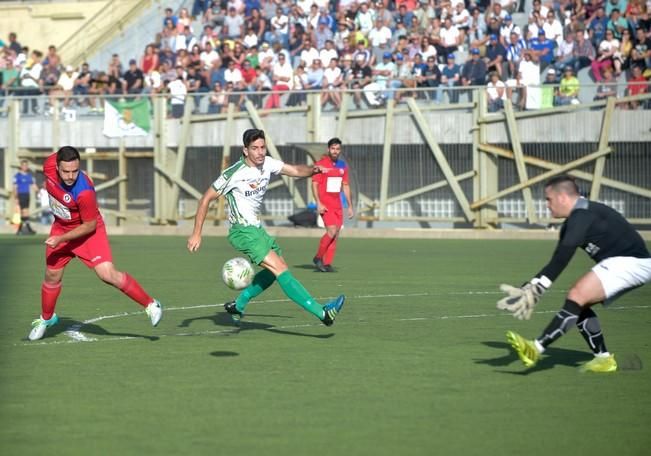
(590, 329)
(563, 321)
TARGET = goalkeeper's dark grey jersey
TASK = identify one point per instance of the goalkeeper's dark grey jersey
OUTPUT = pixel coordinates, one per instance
(599, 230)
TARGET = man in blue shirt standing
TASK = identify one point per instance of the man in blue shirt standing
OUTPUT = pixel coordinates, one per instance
(23, 186)
(544, 48)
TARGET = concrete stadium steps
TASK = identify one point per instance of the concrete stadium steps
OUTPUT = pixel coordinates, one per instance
(589, 88)
(40, 24)
(129, 42)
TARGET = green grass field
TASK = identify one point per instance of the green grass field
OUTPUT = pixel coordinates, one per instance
(416, 364)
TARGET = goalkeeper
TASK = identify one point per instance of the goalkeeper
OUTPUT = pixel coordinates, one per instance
(623, 263)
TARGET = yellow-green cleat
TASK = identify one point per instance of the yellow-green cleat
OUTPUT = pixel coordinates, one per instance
(600, 364)
(526, 349)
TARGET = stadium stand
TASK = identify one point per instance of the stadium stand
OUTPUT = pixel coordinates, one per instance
(223, 51)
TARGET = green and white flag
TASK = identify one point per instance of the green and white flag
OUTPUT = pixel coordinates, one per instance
(126, 118)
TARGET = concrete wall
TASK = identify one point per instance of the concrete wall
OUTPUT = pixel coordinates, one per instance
(39, 24)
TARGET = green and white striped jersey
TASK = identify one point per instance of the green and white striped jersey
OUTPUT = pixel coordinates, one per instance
(244, 187)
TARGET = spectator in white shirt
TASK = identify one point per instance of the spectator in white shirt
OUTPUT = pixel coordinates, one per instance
(380, 35)
(250, 39)
(450, 37)
(329, 52)
(208, 56)
(538, 9)
(279, 29)
(64, 86)
(364, 18)
(178, 91)
(234, 75)
(282, 78)
(266, 57)
(461, 17)
(233, 24)
(553, 28)
(507, 28)
(309, 53)
(30, 84)
(565, 52)
(495, 92)
(332, 80)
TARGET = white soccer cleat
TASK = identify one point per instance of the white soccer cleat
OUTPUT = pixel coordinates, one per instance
(155, 312)
(39, 326)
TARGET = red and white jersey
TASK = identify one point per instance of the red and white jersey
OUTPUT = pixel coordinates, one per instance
(330, 183)
(71, 205)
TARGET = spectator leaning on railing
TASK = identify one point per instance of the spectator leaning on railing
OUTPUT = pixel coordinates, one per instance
(31, 83)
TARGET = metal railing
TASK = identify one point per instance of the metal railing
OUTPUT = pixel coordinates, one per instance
(442, 98)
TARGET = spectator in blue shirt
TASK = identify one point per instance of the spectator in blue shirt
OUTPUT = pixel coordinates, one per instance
(169, 14)
(617, 24)
(406, 17)
(250, 5)
(544, 48)
(598, 26)
(495, 56)
(514, 52)
(450, 77)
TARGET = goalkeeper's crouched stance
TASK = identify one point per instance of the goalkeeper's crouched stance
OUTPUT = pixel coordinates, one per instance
(623, 263)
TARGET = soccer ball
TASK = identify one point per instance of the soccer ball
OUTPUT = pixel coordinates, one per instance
(237, 273)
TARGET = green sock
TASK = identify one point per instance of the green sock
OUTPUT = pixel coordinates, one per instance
(297, 293)
(261, 281)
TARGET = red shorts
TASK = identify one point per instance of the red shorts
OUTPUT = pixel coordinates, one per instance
(333, 217)
(92, 250)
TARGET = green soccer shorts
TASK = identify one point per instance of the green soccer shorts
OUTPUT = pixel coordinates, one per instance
(253, 242)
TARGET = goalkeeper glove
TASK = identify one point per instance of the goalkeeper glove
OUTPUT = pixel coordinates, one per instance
(521, 301)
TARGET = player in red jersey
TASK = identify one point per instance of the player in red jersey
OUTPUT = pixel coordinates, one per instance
(327, 187)
(78, 231)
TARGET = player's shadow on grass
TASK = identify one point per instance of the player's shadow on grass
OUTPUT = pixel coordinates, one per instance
(224, 354)
(91, 328)
(553, 357)
(221, 319)
(224, 319)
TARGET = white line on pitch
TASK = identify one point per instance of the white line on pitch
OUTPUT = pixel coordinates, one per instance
(77, 336)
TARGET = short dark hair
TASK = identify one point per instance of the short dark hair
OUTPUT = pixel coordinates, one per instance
(252, 134)
(563, 183)
(67, 154)
(334, 141)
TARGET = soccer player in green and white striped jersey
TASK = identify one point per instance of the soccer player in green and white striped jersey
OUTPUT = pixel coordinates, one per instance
(243, 185)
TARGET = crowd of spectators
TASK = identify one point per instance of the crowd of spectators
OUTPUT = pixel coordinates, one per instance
(272, 51)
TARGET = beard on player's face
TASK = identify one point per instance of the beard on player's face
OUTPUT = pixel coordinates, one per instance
(334, 154)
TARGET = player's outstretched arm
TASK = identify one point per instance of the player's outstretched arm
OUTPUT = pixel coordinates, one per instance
(299, 170)
(194, 241)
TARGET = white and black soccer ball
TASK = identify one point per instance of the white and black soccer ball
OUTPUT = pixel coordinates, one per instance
(237, 273)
